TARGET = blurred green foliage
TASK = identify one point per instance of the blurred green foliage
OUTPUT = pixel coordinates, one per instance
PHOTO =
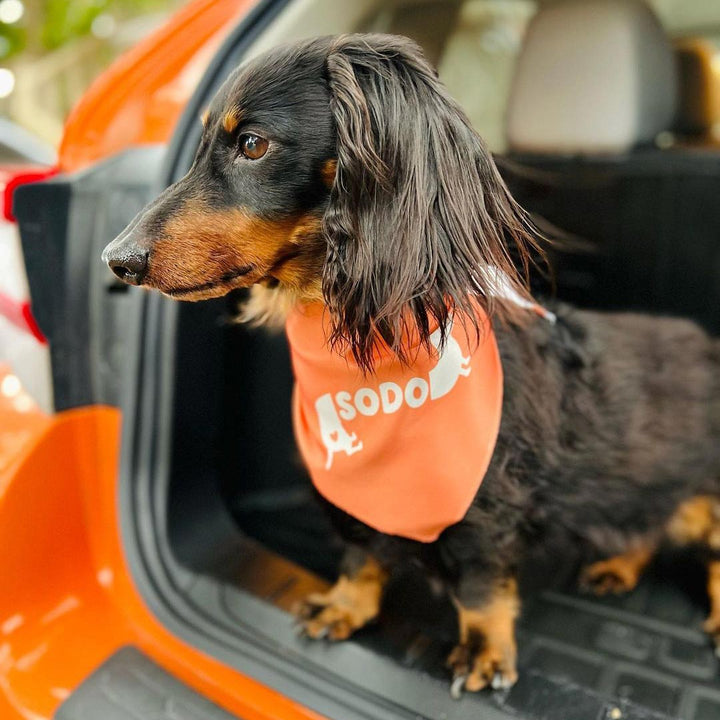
(50, 24)
(12, 39)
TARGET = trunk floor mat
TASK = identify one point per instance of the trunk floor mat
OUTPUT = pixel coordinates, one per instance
(639, 656)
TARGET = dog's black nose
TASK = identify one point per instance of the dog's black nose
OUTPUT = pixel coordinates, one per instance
(130, 267)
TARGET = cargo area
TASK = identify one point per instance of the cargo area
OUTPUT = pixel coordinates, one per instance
(236, 480)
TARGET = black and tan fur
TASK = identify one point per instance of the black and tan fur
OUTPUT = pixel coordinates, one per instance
(377, 197)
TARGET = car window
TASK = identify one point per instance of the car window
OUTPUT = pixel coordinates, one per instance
(682, 18)
(479, 59)
(474, 45)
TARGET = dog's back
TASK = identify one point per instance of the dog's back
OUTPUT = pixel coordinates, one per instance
(622, 412)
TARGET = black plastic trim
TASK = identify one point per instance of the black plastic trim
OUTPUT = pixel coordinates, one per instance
(128, 686)
(64, 224)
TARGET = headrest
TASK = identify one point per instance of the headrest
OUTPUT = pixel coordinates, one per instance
(593, 76)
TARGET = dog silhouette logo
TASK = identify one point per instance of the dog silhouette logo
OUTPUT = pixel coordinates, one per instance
(332, 433)
(441, 379)
(450, 366)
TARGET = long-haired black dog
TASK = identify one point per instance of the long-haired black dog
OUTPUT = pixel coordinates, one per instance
(338, 170)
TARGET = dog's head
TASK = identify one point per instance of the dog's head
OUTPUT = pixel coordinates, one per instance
(337, 168)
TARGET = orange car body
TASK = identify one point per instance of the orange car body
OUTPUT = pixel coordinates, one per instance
(68, 601)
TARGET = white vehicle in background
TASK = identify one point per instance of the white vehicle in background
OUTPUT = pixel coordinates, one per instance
(24, 352)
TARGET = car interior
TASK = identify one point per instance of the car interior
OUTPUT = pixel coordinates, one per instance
(602, 115)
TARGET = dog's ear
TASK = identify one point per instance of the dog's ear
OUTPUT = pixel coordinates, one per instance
(417, 209)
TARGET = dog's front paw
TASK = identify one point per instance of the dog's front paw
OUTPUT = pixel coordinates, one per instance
(618, 574)
(348, 606)
(601, 581)
(321, 616)
(614, 576)
(475, 667)
(487, 653)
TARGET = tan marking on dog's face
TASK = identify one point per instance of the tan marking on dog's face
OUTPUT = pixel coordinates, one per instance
(203, 252)
(328, 172)
(204, 117)
(301, 268)
(231, 119)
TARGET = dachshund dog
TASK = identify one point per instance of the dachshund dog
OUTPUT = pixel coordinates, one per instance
(338, 174)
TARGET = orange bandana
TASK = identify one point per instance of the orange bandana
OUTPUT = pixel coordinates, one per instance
(403, 450)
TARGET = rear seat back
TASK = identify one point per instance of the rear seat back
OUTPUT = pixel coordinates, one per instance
(595, 85)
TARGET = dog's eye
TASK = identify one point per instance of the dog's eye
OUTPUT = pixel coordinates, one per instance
(252, 146)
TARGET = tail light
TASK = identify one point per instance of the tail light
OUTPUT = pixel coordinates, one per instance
(18, 312)
(12, 177)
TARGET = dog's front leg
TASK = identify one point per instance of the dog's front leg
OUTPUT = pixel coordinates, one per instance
(350, 604)
(486, 653)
